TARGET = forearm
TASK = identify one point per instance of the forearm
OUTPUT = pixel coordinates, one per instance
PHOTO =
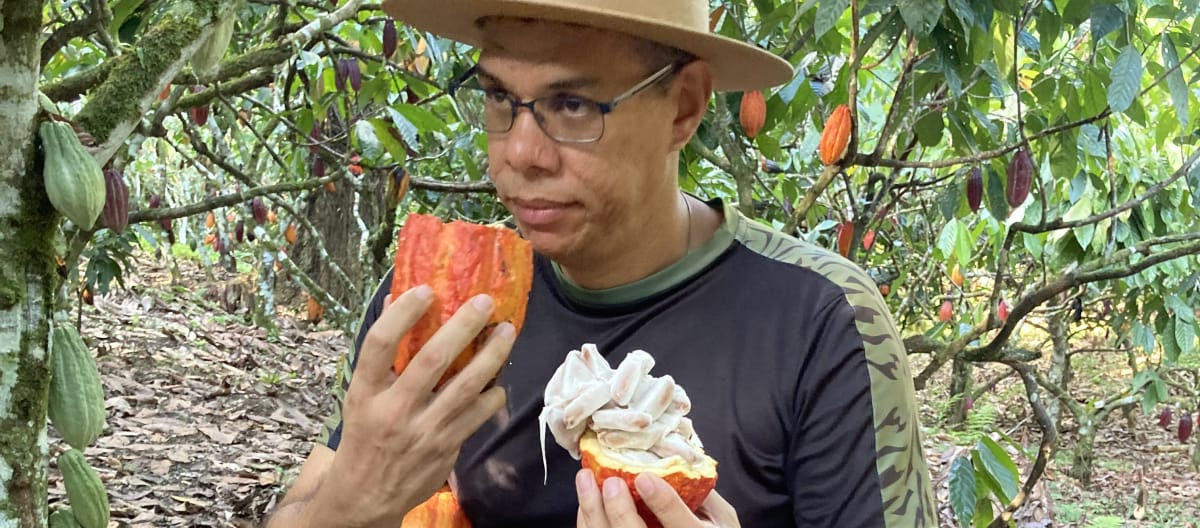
(305, 510)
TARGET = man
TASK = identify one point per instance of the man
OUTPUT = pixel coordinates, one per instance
(799, 384)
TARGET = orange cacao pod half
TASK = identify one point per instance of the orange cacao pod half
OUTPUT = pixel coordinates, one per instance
(460, 260)
(753, 113)
(835, 139)
(439, 511)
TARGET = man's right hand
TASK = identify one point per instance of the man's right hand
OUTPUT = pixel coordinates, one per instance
(400, 439)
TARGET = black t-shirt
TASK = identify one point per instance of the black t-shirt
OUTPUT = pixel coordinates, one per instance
(799, 385)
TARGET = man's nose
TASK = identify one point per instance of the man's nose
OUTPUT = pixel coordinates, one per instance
(527, 147)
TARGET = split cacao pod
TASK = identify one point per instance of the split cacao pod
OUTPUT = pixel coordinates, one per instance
(208, 56)
(439, 511)
(460, 260)
(753, 113)
(975, 189)
(73, 179)
(62, 519)
(115, 214)
(1020, 177)
(389, 38)
(1185, 427)
(1164, 418)
(76, 406)
(85, 491)
(835, 139)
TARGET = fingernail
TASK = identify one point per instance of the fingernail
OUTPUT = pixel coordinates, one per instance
(423, 292)
(504, 330)
(482, 302)
(584, 485)
(646, 486)
(612, 486)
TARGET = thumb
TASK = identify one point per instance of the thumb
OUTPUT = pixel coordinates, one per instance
(663, 501)
(379, 345)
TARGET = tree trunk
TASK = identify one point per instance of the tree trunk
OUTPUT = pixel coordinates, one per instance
(27, 221)
(960, 390)
(1060, 365)
(1081, 461)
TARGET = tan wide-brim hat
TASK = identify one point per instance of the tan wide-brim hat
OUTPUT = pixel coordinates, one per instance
(736, 66)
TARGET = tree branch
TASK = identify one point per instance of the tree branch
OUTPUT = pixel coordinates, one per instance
(97, 20)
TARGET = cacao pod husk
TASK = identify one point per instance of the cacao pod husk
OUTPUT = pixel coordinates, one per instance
(439, 511)
(259, 210)
(835, 139)
(975, 189)
(1164, 418)
(85, 491)
(76, 401)
(868, 239)
(389, 38)
(460, 260)
(1020, 178)
(1185, 427)
(315, 312)
(115, 215)
(73, 179)
(753, 113)
(208, 56)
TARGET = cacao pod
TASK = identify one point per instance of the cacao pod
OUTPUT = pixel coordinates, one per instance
(1185, 427)
(353, 73)
(155, 201)
(1164, 418)
(315, 311)
(753, 113)
(956, 276)
(1020, 177)
(250, 236)
(389, 38)
(76, 406)
(62, 519)
(460, 260)
(835, 139)
(314, 137)
(946, 312)
(397, 187)
(868, 239)
(845, 235)
(259, 210)
(115, 214)
(208, 56)
(210, 220)
(975, 189)
(239, 231)
(318, 170)
(86, 295)
(439, 511)
(1002, 311)
(289, 234)
(271, 217)
(89, 501)
(885, 289)
(74, 181)
(968, 404)
(339, 75)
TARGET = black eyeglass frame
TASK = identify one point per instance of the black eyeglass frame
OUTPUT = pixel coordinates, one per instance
(605, 107)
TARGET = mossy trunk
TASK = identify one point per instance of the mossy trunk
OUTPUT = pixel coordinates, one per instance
(1084, 456)
(960, 390)
(27, 275)
(1060, 365)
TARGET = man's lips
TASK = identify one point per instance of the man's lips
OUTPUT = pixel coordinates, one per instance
(538, 212)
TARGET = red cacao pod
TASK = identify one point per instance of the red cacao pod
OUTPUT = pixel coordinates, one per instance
(1185, 426)
(389, 38)
(1002, 311)
(835, 139)
(946, 312)
(845, 235)
(318, 170)
(115, 214)
(1164, 418)
(975, 189)
(1020, 177)
(868, 239)
(239, 231)
(968, 404)
(259, 210)
(460, 260)
(339, 75)
(315, 138)
(155, 201)
(753, 113)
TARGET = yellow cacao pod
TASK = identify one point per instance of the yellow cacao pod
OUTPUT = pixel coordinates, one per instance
(73, 179)
(835, 139)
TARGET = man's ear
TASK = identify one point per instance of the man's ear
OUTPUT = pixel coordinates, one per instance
(692, 91)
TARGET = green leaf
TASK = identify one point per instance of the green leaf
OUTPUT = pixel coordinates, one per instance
(367, 142)
(424, 120)
(997, 203)
(383, 131)
(1185, 336)
(921, 15)
(1106, 18)
(408, 131)
(962, 490)
(965, 246)
(948, 240)
(1000, 466)
(827, 16)
(949, 199)
(1175, 83)
(1169, 343)
(1193, 180)
(1182, 310)
(929, 129)
(1126, 79)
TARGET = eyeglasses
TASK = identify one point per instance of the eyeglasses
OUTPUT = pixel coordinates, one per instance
(564, 117)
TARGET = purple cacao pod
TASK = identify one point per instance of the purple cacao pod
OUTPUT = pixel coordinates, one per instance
(1164, 418)
(115, 214)
(1185, 427)
(1020, 177)
(389, 38)
(239, 231)
(975, 189)
(259, 210)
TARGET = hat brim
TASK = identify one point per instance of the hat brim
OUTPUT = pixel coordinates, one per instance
(736, 66)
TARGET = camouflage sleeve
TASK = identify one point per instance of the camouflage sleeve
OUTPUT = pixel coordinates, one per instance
(331, 431)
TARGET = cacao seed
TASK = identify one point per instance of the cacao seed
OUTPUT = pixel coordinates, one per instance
(115, 215)
(1020, 177)
(1164, 418)
(1185, 426)
(389, 38)
(975, 189)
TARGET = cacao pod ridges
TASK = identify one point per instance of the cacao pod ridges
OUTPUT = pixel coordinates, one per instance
(73, 179)
(115, 215)
(975, 189)
(835, 138)
(1164, 418)
(753, 113)
(1020, 178)
(1185, 427)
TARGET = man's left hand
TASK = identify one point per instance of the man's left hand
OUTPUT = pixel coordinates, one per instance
(613, 507)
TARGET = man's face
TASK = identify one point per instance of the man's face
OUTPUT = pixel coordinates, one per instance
(579, 202)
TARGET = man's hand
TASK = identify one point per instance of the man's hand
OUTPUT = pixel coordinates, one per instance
(613, 506)
(400, 438)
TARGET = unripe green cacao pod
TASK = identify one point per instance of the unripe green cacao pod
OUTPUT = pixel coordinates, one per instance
(73, 179)
(62, 519)
(208, 56)
(85, 491)
(76, 396)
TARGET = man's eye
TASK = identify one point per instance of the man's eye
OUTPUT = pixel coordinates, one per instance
(570, 105)
(495, 96)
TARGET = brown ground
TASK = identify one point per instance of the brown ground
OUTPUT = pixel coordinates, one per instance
(209, 419)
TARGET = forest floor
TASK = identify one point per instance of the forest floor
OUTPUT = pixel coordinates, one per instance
(209, 417)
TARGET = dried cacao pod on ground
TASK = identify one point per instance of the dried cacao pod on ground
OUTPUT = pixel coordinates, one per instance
(460, 260)
(975, 189)
(1185, 427)
(1020, 178)
(76, 406)
(74, 181)
(753, 113)
(835, 139)
(439, 511)
(85, 491)
(115, 214)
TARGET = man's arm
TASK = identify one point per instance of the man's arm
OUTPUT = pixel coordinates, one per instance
(295, 508)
